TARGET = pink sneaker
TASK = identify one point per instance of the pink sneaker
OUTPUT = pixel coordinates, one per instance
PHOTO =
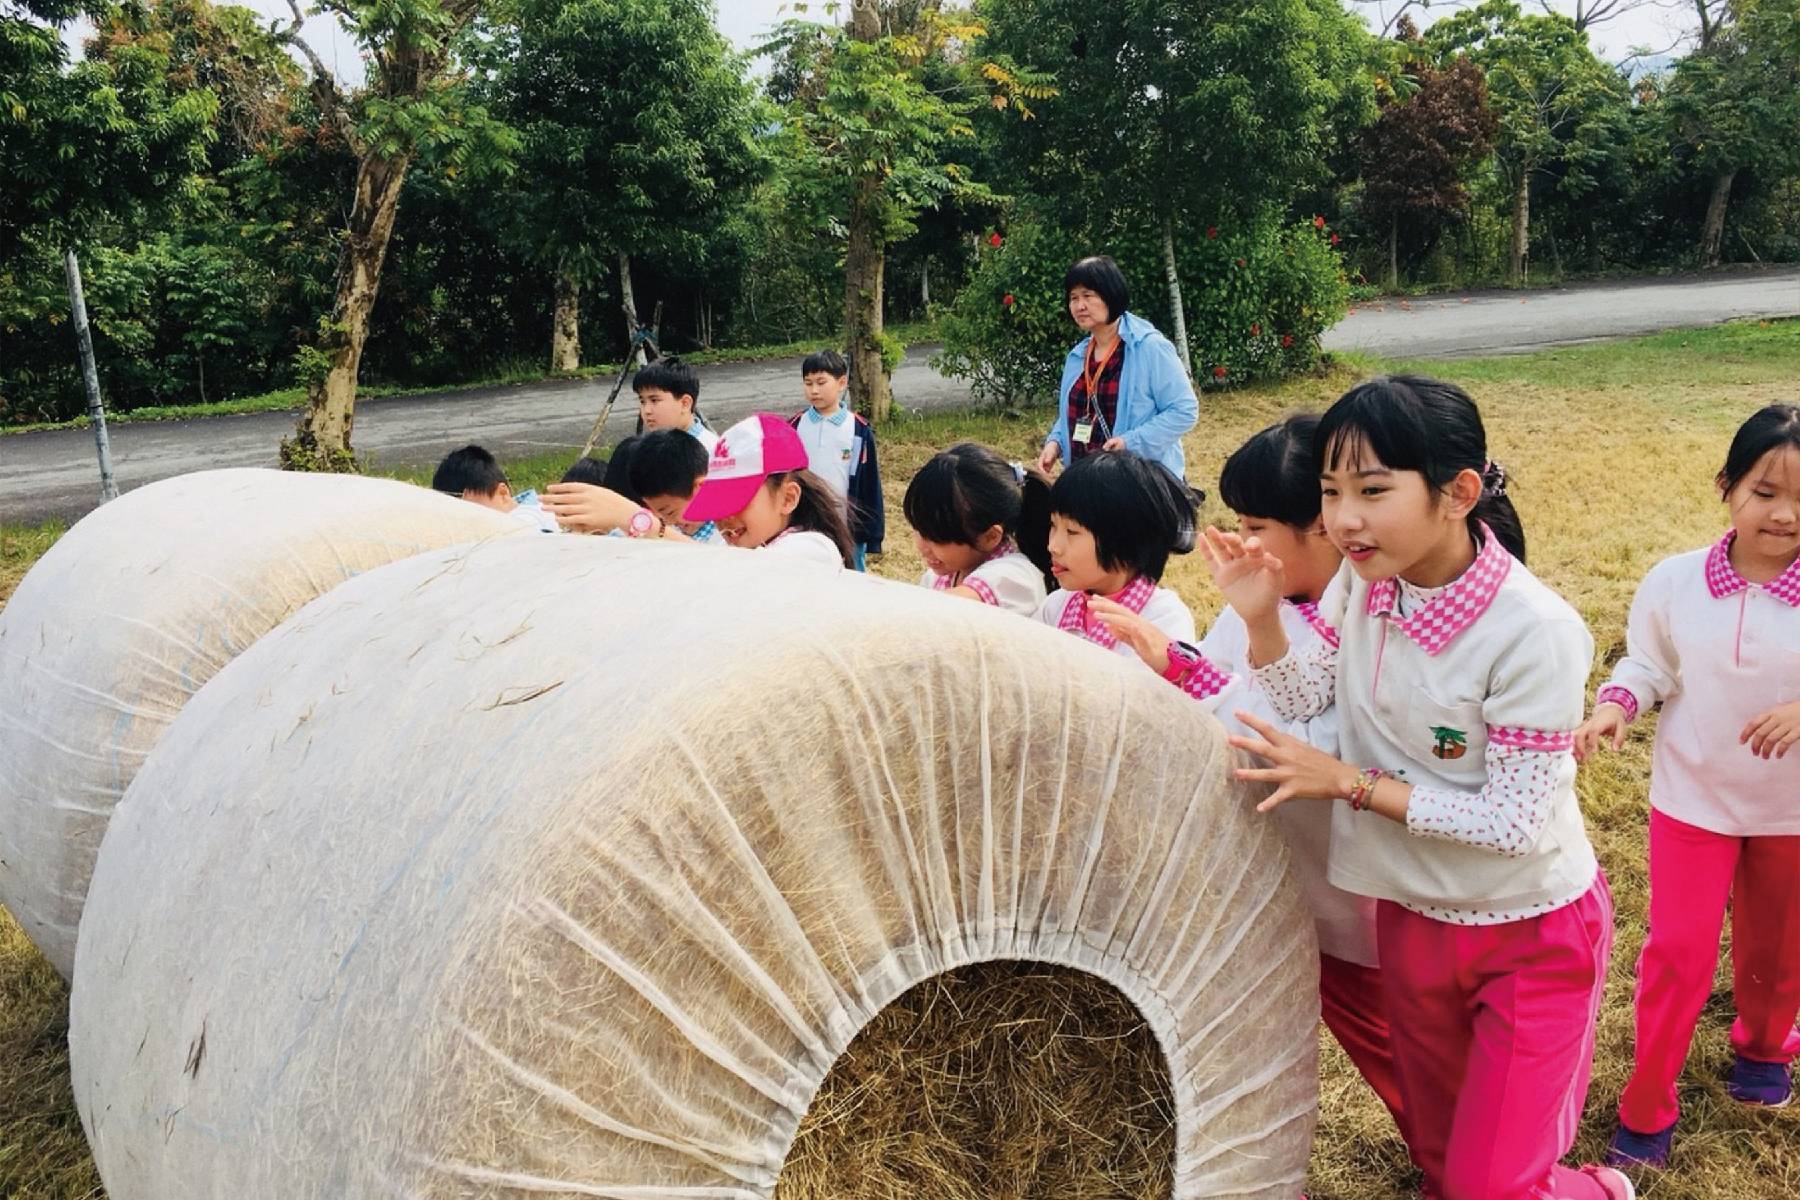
(1616, 1184)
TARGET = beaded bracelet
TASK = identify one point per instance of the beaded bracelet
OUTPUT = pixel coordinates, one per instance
(1364, 791)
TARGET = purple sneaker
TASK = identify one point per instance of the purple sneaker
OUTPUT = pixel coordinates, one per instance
(1629, 1148)
(1764, 1084)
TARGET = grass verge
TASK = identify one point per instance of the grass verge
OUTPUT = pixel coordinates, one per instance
(1611, 448)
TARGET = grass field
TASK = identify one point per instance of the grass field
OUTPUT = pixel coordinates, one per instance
(1611, 449)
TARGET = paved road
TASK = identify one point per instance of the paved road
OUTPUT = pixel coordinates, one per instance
(48, 475)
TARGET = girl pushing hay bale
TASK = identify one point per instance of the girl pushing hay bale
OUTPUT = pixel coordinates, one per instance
(581, 891)
(132, 611)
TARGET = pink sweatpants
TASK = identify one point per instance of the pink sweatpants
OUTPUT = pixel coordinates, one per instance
(1494, 1040)
(1351, 1000)
(1693, 873)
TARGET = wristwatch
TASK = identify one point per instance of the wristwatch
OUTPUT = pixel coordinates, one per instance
(643, 523)
(1183, 658)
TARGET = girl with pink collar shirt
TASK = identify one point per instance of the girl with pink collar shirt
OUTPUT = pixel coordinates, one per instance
(964, 507)
(1458, 681)
(1714, 637)
(1115, 518)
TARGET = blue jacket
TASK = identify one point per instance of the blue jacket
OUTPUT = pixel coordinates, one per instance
(1156, 399)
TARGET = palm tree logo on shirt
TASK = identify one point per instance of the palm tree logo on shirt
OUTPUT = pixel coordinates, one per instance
(1451, 743)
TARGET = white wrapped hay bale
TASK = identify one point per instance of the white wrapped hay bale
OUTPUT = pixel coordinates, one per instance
(132, 611)
(570, 866)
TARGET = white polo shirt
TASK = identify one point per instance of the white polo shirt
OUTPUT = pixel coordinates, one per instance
(1715, 651)
(1008, 580)
(831, 446)
(1471, 693)
(1068, 611)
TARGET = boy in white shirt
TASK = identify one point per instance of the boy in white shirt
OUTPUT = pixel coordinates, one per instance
(840, 449)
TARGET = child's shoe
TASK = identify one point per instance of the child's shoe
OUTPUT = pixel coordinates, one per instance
(1615, 1183)
(1765, 1084)
(1629, 1148)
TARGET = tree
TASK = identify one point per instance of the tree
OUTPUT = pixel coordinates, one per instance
(870, 140)
(1545, 86)
(647, 162)
(1415, 157)
(1734, 104)
(410, 102)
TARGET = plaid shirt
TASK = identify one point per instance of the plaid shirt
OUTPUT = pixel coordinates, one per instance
(1106, 385)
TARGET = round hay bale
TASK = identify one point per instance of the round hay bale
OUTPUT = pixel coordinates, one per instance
(572, 866)
(136, 607)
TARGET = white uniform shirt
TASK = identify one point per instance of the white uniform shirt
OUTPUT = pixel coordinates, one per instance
(832, 447)
(1008, 580)
(700, 433)
(1471, 693)
(1162, 608)
(1715, 651)
(805, 543)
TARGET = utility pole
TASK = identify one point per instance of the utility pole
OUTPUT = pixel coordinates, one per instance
(84, 341)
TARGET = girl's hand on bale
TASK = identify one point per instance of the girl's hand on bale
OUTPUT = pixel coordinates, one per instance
(587, 508)
(1607, 724)
(1298, 770)
(1772, 733)
(1250, 578)
(1146, 640)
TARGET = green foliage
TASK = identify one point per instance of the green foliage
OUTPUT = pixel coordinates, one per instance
(1009, 330)
(1735, 103)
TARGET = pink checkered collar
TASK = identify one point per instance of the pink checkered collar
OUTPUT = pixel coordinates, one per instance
(1309, 609)
(943, 583)
(1075, 617)
(1722, 579)
(1458, 606)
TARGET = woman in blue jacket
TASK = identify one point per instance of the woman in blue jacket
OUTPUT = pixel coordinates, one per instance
(1123, 387)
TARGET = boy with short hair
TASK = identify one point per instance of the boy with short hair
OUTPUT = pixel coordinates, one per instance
(668, 393)
(667, 468)
(840, 449)
(474, 474)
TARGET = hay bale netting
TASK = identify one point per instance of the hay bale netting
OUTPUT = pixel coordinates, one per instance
(136, 607)
(570, 866)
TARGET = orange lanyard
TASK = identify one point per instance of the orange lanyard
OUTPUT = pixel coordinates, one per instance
(1090, 375)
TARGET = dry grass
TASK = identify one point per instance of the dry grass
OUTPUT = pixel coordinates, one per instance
(1611, 448)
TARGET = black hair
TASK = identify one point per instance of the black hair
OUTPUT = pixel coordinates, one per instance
(1414, 423)
(667, 462)
(1771, 428)
(471, 469)
(961, 493)
(672, 376)
(828, 361)
(586, 470)
(1272, 475)
(618, 467)
(820, 510)
(1100, 275)
(1138, 512)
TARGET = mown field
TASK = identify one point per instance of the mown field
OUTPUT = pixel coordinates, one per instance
(1611, 449)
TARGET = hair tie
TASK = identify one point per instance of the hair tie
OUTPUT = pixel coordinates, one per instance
(1018, 470)
(1493, 480)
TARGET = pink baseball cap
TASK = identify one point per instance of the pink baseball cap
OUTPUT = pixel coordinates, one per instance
(752, 450)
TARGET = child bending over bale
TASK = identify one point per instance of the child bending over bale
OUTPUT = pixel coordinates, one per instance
(649, 479)
(964, 508)
(762, 495)
(1115, 518)
(473, 474)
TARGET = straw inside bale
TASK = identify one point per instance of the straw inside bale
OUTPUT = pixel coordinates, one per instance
(1001, 1080)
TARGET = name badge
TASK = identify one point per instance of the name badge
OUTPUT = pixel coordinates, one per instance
(1084, 432)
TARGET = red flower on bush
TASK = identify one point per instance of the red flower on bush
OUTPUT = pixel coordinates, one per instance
(1335, 239)
(1212, 231)
(1242, 262)
(995, 240)
(1007, 299)
(1255, 330)
(1218, 372)
(1318, 222)
(1287, 339)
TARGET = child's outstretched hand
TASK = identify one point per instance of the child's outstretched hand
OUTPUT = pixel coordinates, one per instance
(1771, 734)
(1299, 770)
(1607, 724)
(1146, 640)
(587, 508)
(1248, 576)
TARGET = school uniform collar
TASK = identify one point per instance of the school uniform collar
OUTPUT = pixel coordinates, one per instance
(1309, 609)
(944, 583)
(1722, 579)
(1458, 606)
(1076, 618)
(836, 418)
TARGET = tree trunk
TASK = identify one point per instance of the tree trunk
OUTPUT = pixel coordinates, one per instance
(322, 440)
(925, 287)
(628, 302)
(864, 266)
(565, 324)
(1712, 235)
(1175, 305)
(1521, 230)
(1393, 271)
